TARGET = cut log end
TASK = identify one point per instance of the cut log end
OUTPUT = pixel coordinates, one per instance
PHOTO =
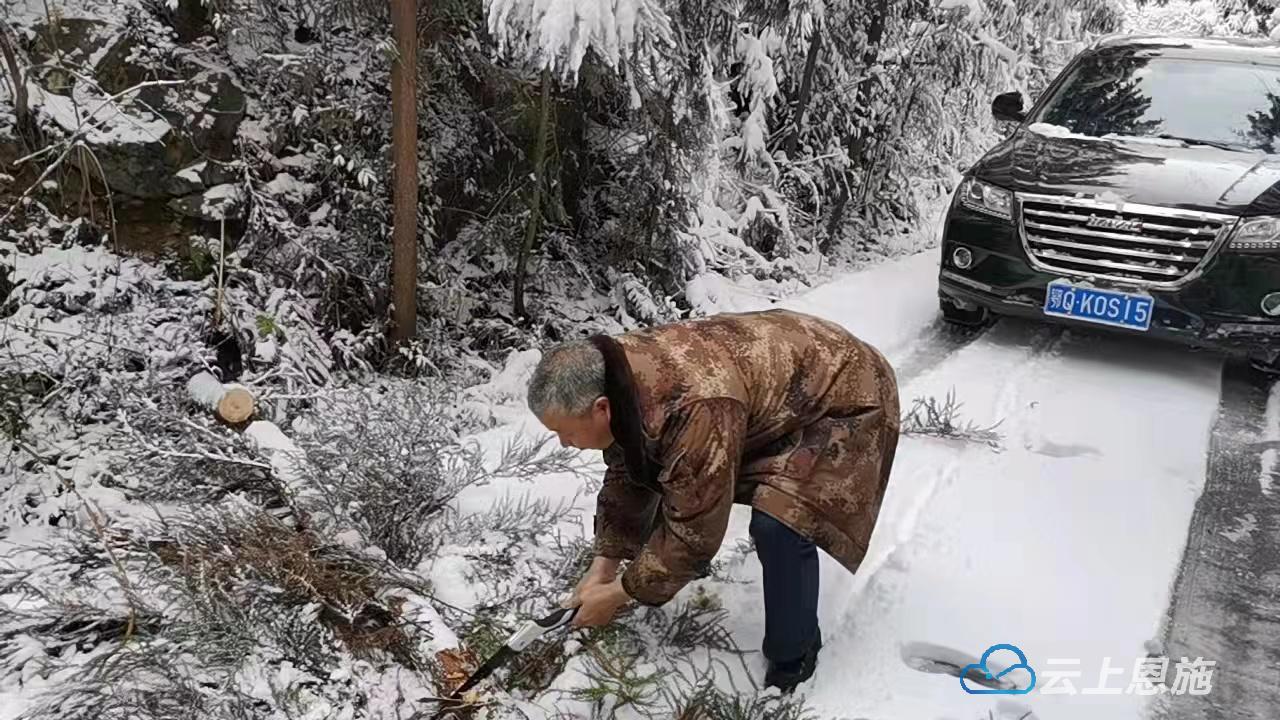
(236, 405)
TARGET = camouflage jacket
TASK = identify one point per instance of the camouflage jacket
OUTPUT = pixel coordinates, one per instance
(782, 411)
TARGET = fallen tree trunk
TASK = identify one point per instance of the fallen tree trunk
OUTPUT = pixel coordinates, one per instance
(232, 403)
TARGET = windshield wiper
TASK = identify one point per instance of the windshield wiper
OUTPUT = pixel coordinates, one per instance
(1197, 141)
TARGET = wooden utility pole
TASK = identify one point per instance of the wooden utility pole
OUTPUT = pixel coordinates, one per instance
(404, 153)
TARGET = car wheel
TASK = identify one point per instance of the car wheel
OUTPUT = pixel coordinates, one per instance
(975, 317)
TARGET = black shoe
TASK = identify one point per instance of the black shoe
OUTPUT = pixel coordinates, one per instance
(787, 676)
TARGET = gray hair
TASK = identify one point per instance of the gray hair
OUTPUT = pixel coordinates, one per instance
(568, 379)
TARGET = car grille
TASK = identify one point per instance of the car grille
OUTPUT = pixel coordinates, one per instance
(1134, 244)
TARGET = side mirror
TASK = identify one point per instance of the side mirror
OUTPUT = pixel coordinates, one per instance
(1008, 107)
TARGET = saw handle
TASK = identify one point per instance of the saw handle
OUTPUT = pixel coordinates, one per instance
(559, 618)
(534, 629)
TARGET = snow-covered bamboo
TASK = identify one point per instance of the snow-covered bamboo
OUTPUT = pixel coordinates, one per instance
(232, 403)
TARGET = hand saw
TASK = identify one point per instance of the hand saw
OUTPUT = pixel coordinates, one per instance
(519, 640)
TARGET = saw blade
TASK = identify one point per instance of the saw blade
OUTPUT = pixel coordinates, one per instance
(485, 670)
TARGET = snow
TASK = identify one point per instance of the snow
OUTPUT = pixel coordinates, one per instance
(50, 329)
(219, 199)
(1177, 17)
(205, 389)
(1057, 131)
(25, 13)
(899, 291)
(561, 31)
(974, 8)
(110, 126)
(289, 187)
(192, 173)
(285, 456)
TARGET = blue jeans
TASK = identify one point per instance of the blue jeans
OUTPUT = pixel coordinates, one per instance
(790, 563)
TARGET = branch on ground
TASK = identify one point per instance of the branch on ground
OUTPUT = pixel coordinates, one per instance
(932, 417)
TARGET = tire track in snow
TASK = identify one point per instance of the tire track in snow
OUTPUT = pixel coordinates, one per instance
(933, 346)
(1226, 599)
(1038, 341)
(936, 582)
(1019, 347)
(905, 532)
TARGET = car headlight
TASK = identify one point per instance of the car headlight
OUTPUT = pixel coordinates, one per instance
(987, 198)
(1257, 234)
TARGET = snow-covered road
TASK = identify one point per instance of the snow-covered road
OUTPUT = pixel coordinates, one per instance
(1064, 542)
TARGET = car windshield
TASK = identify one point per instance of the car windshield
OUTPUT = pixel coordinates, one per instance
(1131, 92)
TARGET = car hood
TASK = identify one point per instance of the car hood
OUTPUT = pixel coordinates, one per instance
(1148, 171)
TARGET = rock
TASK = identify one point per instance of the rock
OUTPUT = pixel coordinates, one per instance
(208, 108)
(218, 173)
(139, 164)
(83, 43)
(121, 67)
(216, 203)
(273, 139)
(209, 173)
(144, 148)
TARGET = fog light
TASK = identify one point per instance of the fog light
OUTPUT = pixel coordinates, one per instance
(1271, 304)
(963, 259)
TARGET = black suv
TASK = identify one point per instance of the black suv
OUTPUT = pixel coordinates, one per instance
(1141, 193)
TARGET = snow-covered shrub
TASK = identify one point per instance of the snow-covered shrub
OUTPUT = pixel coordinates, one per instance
(388, 459)
(245, 582)
(82, 319)
(227, 612)
(676, 661)
(172, 451)
(711, 702)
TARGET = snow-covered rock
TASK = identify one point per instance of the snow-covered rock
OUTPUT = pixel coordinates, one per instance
(143, 140)
(225, 201)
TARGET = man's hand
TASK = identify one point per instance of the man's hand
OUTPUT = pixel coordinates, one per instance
(602, 572)
(599, 602)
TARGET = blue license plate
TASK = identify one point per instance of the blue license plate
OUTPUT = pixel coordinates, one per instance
(1106, 307)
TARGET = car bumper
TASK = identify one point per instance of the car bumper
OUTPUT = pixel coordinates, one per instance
(1218, 310)
(1168, 323)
